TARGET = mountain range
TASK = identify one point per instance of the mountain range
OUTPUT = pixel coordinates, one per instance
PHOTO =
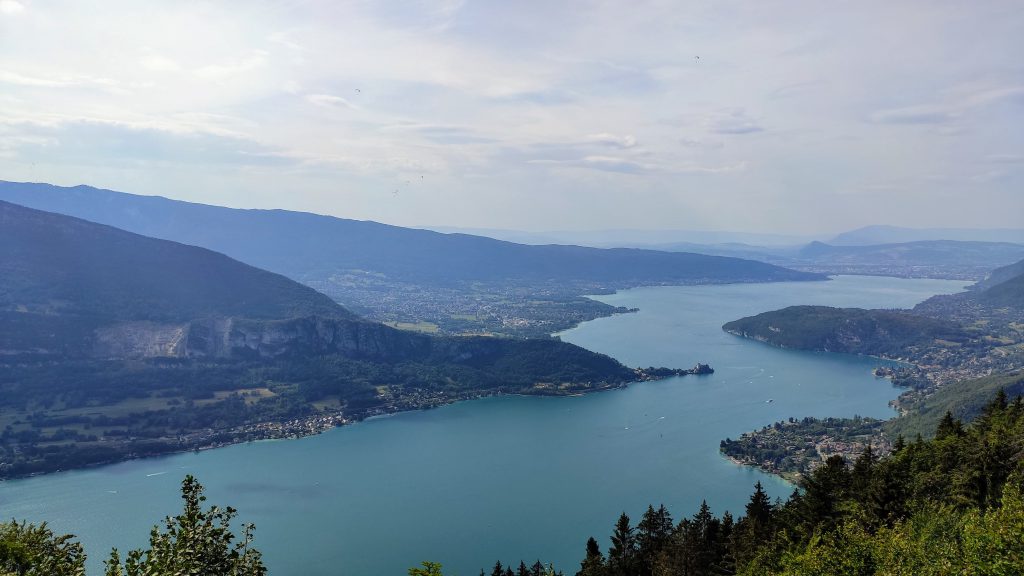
(307, 247)
(118, 294)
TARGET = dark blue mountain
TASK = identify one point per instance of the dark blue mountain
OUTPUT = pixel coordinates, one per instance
(308, 247)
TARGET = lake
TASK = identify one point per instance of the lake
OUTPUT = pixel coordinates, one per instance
(507, 478)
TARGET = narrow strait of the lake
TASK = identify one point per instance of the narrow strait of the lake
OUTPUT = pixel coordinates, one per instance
(507, 478)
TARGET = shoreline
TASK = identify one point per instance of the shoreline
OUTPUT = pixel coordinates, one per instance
(315, 425)
(791, 478)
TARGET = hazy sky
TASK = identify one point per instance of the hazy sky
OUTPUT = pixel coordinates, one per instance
(795, 117)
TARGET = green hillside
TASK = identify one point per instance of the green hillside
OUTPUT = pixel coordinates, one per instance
(848, 330)
(965, 400)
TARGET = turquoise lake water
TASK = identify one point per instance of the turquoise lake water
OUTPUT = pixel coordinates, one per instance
(507, 478)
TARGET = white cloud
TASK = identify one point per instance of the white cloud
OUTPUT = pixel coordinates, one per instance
(914, 115)
(23, 80)
(625, 141)
(160, 63)
(37, 81)
(996, 95)
(732, 121)
(617, 164)
(233, 67)
(285, 39)
(501, 107)
(331, 101)
(11, 7)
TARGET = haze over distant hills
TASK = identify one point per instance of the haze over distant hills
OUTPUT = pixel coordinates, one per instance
(960, 253)
(934, 253)
(957, 259)
(309, 246)
(732, 243)
(1000, 275)
(895, 234)
(653, 239)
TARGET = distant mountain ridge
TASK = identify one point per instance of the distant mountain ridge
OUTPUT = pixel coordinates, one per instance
(954, 259)
(1004, 287)
(307, 246)
(1009, 293)
(1001, 294)
(884, 234)
(916, 253)
(651, 239)
(1000, 275)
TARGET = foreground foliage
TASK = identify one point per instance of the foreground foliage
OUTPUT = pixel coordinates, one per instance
(952, 505)
(195, 542)
(27, 550)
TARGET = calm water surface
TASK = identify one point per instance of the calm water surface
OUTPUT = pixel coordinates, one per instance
(506, 478)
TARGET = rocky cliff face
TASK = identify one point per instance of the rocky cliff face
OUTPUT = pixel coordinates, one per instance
(311, 335)
(241, 338)
(140, 340)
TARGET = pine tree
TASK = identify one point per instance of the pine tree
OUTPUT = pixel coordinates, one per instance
(997, 404)
(705, 539)
(948, 427)
(622, 554)
(498, 570)
(890, 490)
(861, 475)
(899, 444)
(727, 561)
(653, 533)
(593, 564)
(755, 528)
(823, 490)
(759, 509)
